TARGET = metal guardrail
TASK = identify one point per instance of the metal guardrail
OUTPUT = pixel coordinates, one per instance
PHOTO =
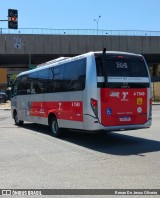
(45, 31)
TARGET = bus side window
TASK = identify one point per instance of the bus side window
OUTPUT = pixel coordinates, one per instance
(67, 77)
(42, 81)
(33, 82)
(23, 87)
(48, 87)
(56, 80)
(14, 89)
(74, 75)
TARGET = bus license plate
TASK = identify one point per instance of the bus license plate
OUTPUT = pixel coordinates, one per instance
(125, 119)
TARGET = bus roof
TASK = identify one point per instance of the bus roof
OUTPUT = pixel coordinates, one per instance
(55, 63)
(117, 52)
(63, 60)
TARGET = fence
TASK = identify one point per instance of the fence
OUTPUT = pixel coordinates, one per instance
(156, 91)
(44, 31)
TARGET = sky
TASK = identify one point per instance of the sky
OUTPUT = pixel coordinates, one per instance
(80, 14)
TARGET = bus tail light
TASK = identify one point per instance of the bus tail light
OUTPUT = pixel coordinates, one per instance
(94, 105)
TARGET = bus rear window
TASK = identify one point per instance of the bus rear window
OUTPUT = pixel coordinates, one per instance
(126, 67)
(121, 66)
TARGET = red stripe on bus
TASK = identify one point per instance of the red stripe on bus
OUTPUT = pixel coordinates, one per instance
(72, 110)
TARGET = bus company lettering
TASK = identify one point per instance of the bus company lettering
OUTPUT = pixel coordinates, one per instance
(114, 94)
(124, 96)
(76, 104)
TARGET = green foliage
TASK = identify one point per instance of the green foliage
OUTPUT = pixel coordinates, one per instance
(13, 77)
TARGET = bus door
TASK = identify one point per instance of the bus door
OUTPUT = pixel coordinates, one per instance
(21, 94)
(37, 97)
(124, 97)
(24, 97)
(14, 99)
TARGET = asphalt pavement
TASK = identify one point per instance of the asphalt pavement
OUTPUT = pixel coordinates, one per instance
(31, 158)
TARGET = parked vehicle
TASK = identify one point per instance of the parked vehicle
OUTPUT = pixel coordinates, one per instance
(3, 97)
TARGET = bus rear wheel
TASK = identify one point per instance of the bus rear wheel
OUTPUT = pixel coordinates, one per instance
(16, 120)
(55, 130)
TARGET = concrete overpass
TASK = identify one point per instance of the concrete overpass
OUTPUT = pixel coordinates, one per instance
(19, 50)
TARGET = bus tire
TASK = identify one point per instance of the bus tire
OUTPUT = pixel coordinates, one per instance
(55, 130)
(16, 120)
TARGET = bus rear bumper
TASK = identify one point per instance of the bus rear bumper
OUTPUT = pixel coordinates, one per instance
(92, 124)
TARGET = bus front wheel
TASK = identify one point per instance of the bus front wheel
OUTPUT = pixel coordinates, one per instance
(16, 120)
(55, 130)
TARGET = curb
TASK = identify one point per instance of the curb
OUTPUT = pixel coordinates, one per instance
(5, 106)
(155, 103)
(5, 109)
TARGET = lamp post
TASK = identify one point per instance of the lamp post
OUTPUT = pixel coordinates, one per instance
(97, 21)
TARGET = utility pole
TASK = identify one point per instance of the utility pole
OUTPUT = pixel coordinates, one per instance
(97, 21)
(1, 28)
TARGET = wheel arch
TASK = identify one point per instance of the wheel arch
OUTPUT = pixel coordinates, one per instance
(50, 116)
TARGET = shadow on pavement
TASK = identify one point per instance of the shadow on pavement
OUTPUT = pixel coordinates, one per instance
(113, 143)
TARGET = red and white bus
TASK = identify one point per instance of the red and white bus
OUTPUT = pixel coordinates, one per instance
(91, 92)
